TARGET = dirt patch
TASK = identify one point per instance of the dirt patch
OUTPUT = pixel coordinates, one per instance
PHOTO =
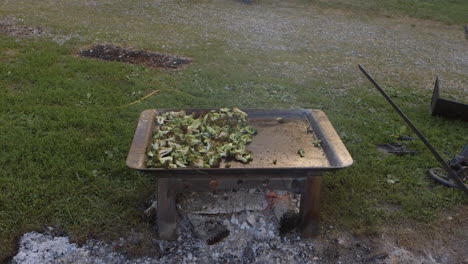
(442, 242)
(149, 59)
(22, 31)
(25, 32)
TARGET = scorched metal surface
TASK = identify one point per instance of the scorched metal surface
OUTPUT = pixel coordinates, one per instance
(276, 163)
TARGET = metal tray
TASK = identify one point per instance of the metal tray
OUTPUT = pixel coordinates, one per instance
(274, 140)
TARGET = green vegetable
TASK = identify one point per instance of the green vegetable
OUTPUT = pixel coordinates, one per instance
(317, 143)
(182, 140)
(301, 152)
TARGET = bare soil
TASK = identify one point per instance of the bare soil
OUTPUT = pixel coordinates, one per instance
(14, 28)
(22, 31)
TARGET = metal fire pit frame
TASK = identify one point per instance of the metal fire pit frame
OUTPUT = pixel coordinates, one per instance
(304, 180)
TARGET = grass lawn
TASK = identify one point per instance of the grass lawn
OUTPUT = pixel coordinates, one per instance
(64, 138)
(448, 11)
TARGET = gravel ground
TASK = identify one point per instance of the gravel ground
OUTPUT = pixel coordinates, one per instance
(284, 38)
(325, 43)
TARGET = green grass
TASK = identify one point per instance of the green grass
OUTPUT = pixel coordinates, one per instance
(64, 142)
(448, 11)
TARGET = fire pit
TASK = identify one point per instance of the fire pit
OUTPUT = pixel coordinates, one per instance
(276, 163)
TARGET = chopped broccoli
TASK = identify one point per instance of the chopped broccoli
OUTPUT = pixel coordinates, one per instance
(182, 140)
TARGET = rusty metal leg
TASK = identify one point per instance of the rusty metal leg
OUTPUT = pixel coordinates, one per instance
(310, 207)
(166, 218)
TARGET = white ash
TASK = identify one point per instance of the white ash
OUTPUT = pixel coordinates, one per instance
(36, 248)
(253, 238)
(223, 203)
(253, 234)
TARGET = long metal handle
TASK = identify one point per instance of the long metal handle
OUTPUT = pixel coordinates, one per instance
(451, 173)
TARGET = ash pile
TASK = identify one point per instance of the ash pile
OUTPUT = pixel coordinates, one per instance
(249, 226)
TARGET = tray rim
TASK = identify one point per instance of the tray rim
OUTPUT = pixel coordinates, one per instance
(321, 124)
